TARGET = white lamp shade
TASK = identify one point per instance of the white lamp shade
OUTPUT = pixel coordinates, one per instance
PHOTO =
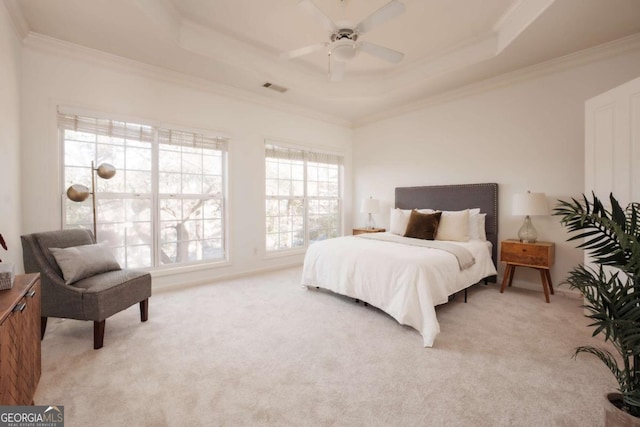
(530, 204)
(370, 205)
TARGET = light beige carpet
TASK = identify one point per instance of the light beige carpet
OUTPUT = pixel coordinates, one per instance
(264, 351)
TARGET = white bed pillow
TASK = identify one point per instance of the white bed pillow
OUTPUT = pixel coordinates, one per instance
(454, 226)
(475, 229)
(482, 232)
(476, 225)
(399, 221)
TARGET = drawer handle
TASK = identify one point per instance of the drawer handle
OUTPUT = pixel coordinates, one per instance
(31, 293)
(20, 307)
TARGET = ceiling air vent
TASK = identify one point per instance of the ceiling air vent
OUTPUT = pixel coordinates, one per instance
(275, 87)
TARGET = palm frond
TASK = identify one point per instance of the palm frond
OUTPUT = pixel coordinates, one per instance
(607, 358)
(611, 238)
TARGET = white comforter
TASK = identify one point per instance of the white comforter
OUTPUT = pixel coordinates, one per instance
(405, 281)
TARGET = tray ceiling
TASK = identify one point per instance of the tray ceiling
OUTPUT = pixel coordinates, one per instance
(237, 43)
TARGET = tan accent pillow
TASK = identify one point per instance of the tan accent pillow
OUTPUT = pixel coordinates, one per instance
(423, 226)
(79, 262)
(454, 226)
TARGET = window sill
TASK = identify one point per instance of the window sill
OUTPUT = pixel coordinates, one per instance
(285, 253)
(169, 271)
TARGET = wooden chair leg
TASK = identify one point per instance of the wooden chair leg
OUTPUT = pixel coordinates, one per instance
(144, 310)
(43, 327)
(98, 334)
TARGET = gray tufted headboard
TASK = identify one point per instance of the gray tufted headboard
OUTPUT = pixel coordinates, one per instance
(453, 198)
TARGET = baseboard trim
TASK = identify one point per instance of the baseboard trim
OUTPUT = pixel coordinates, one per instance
(537, 287)
(223, 277)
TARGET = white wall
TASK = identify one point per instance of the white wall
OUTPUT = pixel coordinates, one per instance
(10, 51)
(526, 135)
(60, 74)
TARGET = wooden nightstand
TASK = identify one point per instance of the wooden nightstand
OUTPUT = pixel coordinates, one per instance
(368, 230)
(539, 255)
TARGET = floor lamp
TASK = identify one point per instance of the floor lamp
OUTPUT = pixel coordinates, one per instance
(79, 192)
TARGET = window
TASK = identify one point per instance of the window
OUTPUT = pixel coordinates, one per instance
(303, 202)
(164, 206)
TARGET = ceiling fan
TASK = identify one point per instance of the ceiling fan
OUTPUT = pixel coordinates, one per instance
(344, 42)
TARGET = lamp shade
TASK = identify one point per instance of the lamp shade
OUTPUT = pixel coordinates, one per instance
(370, 205)
(78, 193)
(530, 204)
(106, 171)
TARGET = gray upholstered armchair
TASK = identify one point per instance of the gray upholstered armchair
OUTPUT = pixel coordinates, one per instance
(93, 298)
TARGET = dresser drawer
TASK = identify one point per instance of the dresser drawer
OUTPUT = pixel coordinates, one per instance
(528, 254)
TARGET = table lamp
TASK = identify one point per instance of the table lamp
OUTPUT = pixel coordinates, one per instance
(370, 206)
(529, 204)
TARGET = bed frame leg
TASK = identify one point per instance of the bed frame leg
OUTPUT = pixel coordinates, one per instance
(465, 296)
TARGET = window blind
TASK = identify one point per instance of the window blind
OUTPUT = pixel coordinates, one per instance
(279, 152)
(190, 139)
(143, 133)
(106, 127)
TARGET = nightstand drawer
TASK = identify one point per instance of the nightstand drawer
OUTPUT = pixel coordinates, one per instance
(538, 254)
(357, 231)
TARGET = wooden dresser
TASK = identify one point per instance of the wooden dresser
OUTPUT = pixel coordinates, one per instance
(20, 340)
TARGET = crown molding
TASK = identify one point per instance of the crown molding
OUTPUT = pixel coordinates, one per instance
(597, 53)
(50, 45)
(46, 44)
(18, 21)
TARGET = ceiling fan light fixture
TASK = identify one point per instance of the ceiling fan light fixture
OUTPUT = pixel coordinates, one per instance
(344, 42)
(344, 50)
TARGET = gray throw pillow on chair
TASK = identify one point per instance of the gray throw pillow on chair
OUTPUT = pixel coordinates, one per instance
(79, 262)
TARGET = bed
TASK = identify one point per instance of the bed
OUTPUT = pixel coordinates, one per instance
(402, 276)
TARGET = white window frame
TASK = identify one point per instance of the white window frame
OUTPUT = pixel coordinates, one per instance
(154, 196)
(307, 155)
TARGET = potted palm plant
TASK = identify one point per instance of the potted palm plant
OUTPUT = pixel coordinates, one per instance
(611, 291)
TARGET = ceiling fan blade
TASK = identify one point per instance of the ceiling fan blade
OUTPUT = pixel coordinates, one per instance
(337, 69)
(382, 52)
(380, 16)
(310, 7)
(303, 51)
